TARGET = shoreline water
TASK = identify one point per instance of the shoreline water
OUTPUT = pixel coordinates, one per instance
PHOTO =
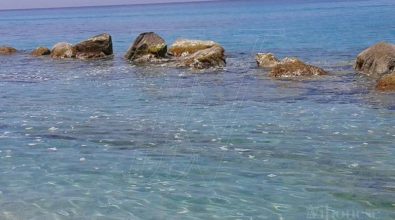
(112, 140)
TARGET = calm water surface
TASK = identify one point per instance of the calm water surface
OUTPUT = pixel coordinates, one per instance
(109, 140)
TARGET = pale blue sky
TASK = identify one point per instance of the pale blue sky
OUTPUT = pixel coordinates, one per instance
(21, 4)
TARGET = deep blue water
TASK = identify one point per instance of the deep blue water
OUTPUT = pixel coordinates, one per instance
(109, 140)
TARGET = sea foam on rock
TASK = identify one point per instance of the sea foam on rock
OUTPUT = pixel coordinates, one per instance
(6, 50)
(376, 60)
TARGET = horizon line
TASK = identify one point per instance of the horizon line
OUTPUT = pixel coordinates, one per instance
(110, 5)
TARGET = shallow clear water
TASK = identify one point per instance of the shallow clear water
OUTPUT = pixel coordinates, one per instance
(109, 140)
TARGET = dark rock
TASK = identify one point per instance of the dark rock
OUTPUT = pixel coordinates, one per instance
(41, 51)
(99, 46)
(63, 50)
(5, 50)
(291, 67)
(147, 45)
(386, 83)
(376, 60)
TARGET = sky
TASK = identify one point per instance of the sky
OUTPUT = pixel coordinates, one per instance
(24, 4)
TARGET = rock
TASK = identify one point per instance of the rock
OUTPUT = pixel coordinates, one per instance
(376, 60)
(187, 47)
(99, 46)
(292, 67)
(266, 60)
(41, 51)
(147, 45)
(386, 83)
(63, 50)
(212, 57)
(5, 50)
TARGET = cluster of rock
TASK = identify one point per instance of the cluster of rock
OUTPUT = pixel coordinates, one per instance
(99, 46)
(378, 62)
(288, 67)
(150, 48)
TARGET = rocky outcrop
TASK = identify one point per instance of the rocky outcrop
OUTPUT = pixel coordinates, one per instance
(147, 47)
(376, 60)
(63, 50)
(292, 67)
(386, 83)
(266, 60)
(198, 54)
(41, 51)
(150, 48)
(288, 67)
(99, 46)
(5, 50)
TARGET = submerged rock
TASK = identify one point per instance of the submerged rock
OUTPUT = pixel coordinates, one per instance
(41, 51)
(266, 60)
(198, 54)
(376, 60)
(147, 47)
(5, 50)
(63, 50)
(292, 67)
(386, 83)
(99, 46)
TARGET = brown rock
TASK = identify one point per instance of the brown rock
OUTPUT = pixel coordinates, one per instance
(63, 50)
(187, 47)
(145, 44)
(5, 50)
(41, 51)
(99, 46)
(291, 67)
(386, 83)
(212, 57)
(376, 60)
(266, 60)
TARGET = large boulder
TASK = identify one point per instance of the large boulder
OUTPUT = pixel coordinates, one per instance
(41, 51)
(99, 46)
(266, 60)
(5, 50)
(376, 60)
(63, 50)
(146, 47)
(212, 57)
(386, 83)
(292, 67)
(198, 54)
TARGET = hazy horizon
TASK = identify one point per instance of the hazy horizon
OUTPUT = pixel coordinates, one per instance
(32, 4)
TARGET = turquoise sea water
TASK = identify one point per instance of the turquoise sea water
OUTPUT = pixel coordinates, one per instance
(109, 140)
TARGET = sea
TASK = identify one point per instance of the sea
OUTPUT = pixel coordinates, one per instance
(109, 140)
